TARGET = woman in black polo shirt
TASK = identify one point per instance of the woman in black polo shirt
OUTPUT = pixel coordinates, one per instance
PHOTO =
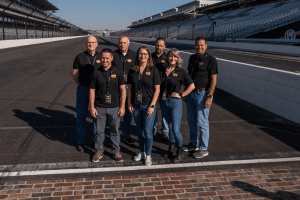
(143, 92)
(172, 78)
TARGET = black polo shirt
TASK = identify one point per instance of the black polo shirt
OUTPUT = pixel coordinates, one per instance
(159, 62)
(148, 81)
(84, 63)
(124, 63)
(201, 68)
(177, 79)
(99, 83)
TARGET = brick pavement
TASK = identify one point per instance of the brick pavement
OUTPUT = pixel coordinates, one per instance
(257, 183)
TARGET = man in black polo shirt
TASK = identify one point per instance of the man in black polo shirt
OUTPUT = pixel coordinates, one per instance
(106, 88)
(83, 67)
(159, 58)
(124, 59)
(203, 69)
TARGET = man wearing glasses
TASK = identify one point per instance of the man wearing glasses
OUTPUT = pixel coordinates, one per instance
(83, 67)
(124, 59)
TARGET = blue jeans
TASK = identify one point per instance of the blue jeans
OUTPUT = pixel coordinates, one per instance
(144, 125)
(82, 104)
(171, 110)
(111, 114)
(197, 116)
(164, 127)
(126, 129)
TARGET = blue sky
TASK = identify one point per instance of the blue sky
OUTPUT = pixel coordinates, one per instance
(110, 14)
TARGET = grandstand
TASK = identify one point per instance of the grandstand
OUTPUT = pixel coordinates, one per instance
(23, 19)
(226, 20)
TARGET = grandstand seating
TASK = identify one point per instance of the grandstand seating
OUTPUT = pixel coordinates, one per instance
(231, 24)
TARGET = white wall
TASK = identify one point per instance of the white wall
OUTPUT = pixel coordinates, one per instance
(23, 42)
(274, 90)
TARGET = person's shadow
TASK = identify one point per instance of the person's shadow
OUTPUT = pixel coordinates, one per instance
(257, 191)
(65, 124)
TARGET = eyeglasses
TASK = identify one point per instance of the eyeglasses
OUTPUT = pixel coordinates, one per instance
(91, 42)
(143, 54)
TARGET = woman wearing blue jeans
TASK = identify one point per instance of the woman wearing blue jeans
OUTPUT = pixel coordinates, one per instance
(172, 78)
(143, 91)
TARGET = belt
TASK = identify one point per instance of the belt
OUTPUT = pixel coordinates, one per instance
(199, 90)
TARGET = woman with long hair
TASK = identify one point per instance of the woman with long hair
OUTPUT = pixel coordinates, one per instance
(143, 91)
(172, 78)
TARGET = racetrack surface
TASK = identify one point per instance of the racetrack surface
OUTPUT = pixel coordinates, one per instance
(38, 118)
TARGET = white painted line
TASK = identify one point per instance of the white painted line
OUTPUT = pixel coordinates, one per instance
(235, 62)
(138, 168)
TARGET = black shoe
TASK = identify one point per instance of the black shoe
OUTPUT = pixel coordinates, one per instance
(128, 140)
(165, 136)
(191, 147)
(172, 151)
(80, 148)
(179, 154)
(200, 154)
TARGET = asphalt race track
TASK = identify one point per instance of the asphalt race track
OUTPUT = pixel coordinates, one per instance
(38, 118)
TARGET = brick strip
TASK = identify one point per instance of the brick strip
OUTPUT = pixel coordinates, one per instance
(266, 183)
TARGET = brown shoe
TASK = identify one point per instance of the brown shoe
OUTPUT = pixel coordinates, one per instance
(118, 157)
(97, 157)
(80, 148)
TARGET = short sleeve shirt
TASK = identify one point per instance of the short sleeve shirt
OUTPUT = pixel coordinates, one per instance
(176, 80)
(86, 64)
(159, 62)
(124, 63)
(147, 82)
(201, 68)
(99, 82)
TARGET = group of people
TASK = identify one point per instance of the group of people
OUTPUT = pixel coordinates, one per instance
(124, 83)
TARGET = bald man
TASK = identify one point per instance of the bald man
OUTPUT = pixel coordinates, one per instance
(124, 59)
(84, 65)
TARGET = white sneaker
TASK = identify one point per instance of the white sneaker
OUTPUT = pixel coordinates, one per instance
(148, 161)
(139, 156)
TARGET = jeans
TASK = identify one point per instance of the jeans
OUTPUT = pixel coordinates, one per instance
(164, 127)
(171, 109)
(197, 115)
(144, 125)
(111, 114)
(82, 104)
(126, 129)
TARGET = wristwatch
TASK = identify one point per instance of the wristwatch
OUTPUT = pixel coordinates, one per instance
(180, 94)
(209, 96)
(151, 106)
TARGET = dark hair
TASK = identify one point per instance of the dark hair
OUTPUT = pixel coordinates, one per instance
(201, 38)
(107, 50)
(150, 65)
(160, 38)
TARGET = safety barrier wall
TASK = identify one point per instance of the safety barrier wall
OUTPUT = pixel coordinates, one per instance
(274, 90)
(23, 42)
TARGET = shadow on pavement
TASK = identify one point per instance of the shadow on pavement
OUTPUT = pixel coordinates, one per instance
(259, 192)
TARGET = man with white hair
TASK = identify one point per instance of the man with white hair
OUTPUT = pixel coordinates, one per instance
(124, 59)
(84, 65)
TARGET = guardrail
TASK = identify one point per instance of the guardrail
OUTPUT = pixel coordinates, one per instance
(274, 90)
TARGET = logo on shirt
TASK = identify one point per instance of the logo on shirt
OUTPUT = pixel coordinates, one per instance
(148, 73)
(200, 63)
(175, 74)
(128, 60)
(97, 61)
(113, 76)
(163, 61)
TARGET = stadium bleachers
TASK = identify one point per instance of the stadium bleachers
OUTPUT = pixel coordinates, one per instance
(33, 19)
(232, 24)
